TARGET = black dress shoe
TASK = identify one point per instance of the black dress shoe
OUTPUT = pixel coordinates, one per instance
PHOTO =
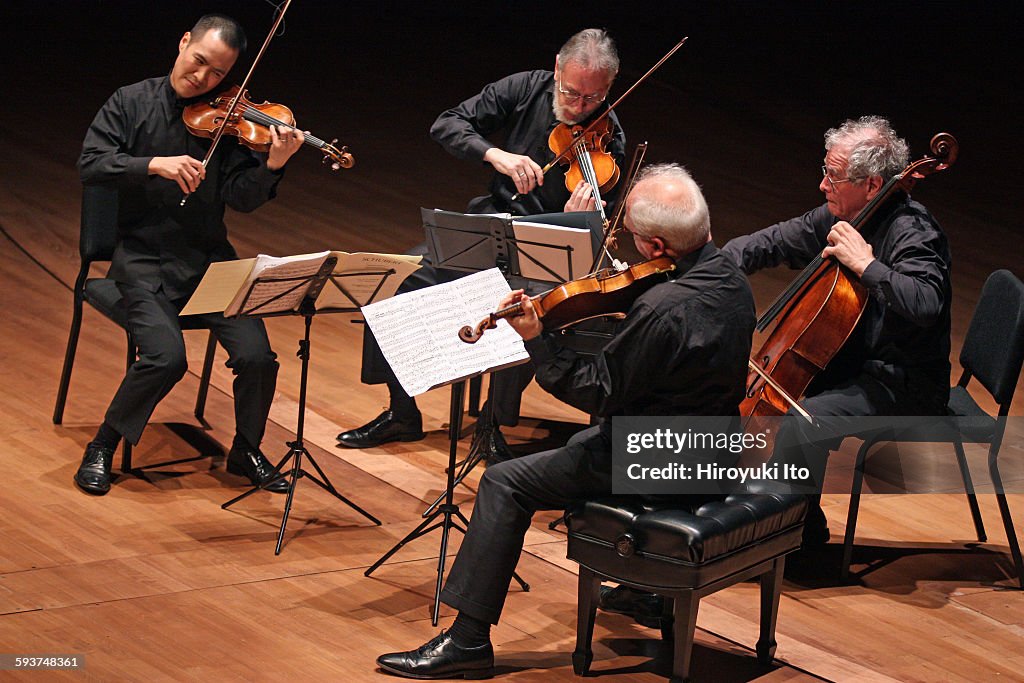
(440, 657)
(250, 463)
(93, 475)
(646, 608)
(384, 428)
(493, 448)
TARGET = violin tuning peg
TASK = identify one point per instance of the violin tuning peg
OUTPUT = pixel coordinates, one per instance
(335, 166)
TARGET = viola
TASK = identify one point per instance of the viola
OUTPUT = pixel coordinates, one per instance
(576, 141)
(606, 292)
(820, 309)
(250, 123)
(588, 158)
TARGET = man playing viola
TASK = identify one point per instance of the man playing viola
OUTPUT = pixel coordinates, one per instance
(138, 144)
(525, 107)
(681, 350)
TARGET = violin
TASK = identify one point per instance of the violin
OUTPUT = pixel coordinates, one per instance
(608, 292)
(588, 158)
(250, 123)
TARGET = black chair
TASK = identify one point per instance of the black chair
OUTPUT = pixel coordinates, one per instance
(685, 555)
(992, 353)
(97, 239)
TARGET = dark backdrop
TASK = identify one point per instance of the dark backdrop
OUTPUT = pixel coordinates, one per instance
(743, 104)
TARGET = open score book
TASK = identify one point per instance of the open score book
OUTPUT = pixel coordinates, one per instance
(271, 284)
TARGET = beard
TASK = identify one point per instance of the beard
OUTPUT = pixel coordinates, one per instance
(562, 113)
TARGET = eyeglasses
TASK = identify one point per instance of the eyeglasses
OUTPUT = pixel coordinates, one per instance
(573, 96)
(835, 181)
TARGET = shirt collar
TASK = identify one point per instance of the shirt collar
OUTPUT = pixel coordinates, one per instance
(687, 261)
(173, 101)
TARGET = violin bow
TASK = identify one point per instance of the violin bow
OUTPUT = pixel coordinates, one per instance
(611, 228)
(241, 90)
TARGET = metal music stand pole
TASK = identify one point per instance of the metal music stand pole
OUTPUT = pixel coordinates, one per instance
(297, 448)
(448, 511)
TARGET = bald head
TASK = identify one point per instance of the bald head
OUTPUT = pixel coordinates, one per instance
(667, 203)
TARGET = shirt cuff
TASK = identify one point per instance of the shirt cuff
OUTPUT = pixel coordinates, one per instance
(478, 148)
(874, 274)
(137, 168)
(541, 348)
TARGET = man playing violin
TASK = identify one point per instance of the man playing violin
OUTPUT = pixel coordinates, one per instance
(139, 145)
(681, 350)
(525, 107)
(896, 361)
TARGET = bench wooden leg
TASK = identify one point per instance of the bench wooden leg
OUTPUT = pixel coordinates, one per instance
(683, 627)
(588, 589)
(771, 588)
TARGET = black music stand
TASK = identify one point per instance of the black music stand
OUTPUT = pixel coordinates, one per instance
(475, 242)
(448, 510)
(307, 309)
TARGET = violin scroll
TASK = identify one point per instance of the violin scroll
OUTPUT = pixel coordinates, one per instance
(339, 158)
(471, 335)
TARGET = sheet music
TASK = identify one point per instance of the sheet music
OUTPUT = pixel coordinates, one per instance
(418, 332)
(361, 274)
(280, 287)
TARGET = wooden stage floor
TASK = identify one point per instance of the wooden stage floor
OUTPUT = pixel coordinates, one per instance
(156, 582)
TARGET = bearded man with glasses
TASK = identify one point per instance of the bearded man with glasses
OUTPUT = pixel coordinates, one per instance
(522, 109)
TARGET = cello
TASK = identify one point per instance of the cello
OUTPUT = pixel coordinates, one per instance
(819, 310)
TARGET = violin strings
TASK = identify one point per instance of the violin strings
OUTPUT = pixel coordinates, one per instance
(589, 174)
(257, 116)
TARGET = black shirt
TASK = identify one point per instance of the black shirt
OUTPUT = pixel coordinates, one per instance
(519, 106)
(162, 244)
(903, 336)
(681, 350)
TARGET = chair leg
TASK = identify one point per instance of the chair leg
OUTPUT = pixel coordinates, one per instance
(972, 498)
(126, 452)
(586, 612)
(851, 514)
(684, 625)
(69, 360)
(204, 380)
(1004, 511)
(771, 589)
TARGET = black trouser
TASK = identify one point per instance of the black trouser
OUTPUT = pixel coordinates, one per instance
(510, 492)
(508, 384)
(154, 322)
(865, 395)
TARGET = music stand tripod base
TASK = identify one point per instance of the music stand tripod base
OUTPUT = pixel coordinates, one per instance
(448, 510)
(297, 448)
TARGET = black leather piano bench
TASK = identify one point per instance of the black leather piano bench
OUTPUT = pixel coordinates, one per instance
(683, 555)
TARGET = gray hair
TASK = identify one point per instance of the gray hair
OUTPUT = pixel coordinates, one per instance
(874, 147)
(683, 223)
(591, 48)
